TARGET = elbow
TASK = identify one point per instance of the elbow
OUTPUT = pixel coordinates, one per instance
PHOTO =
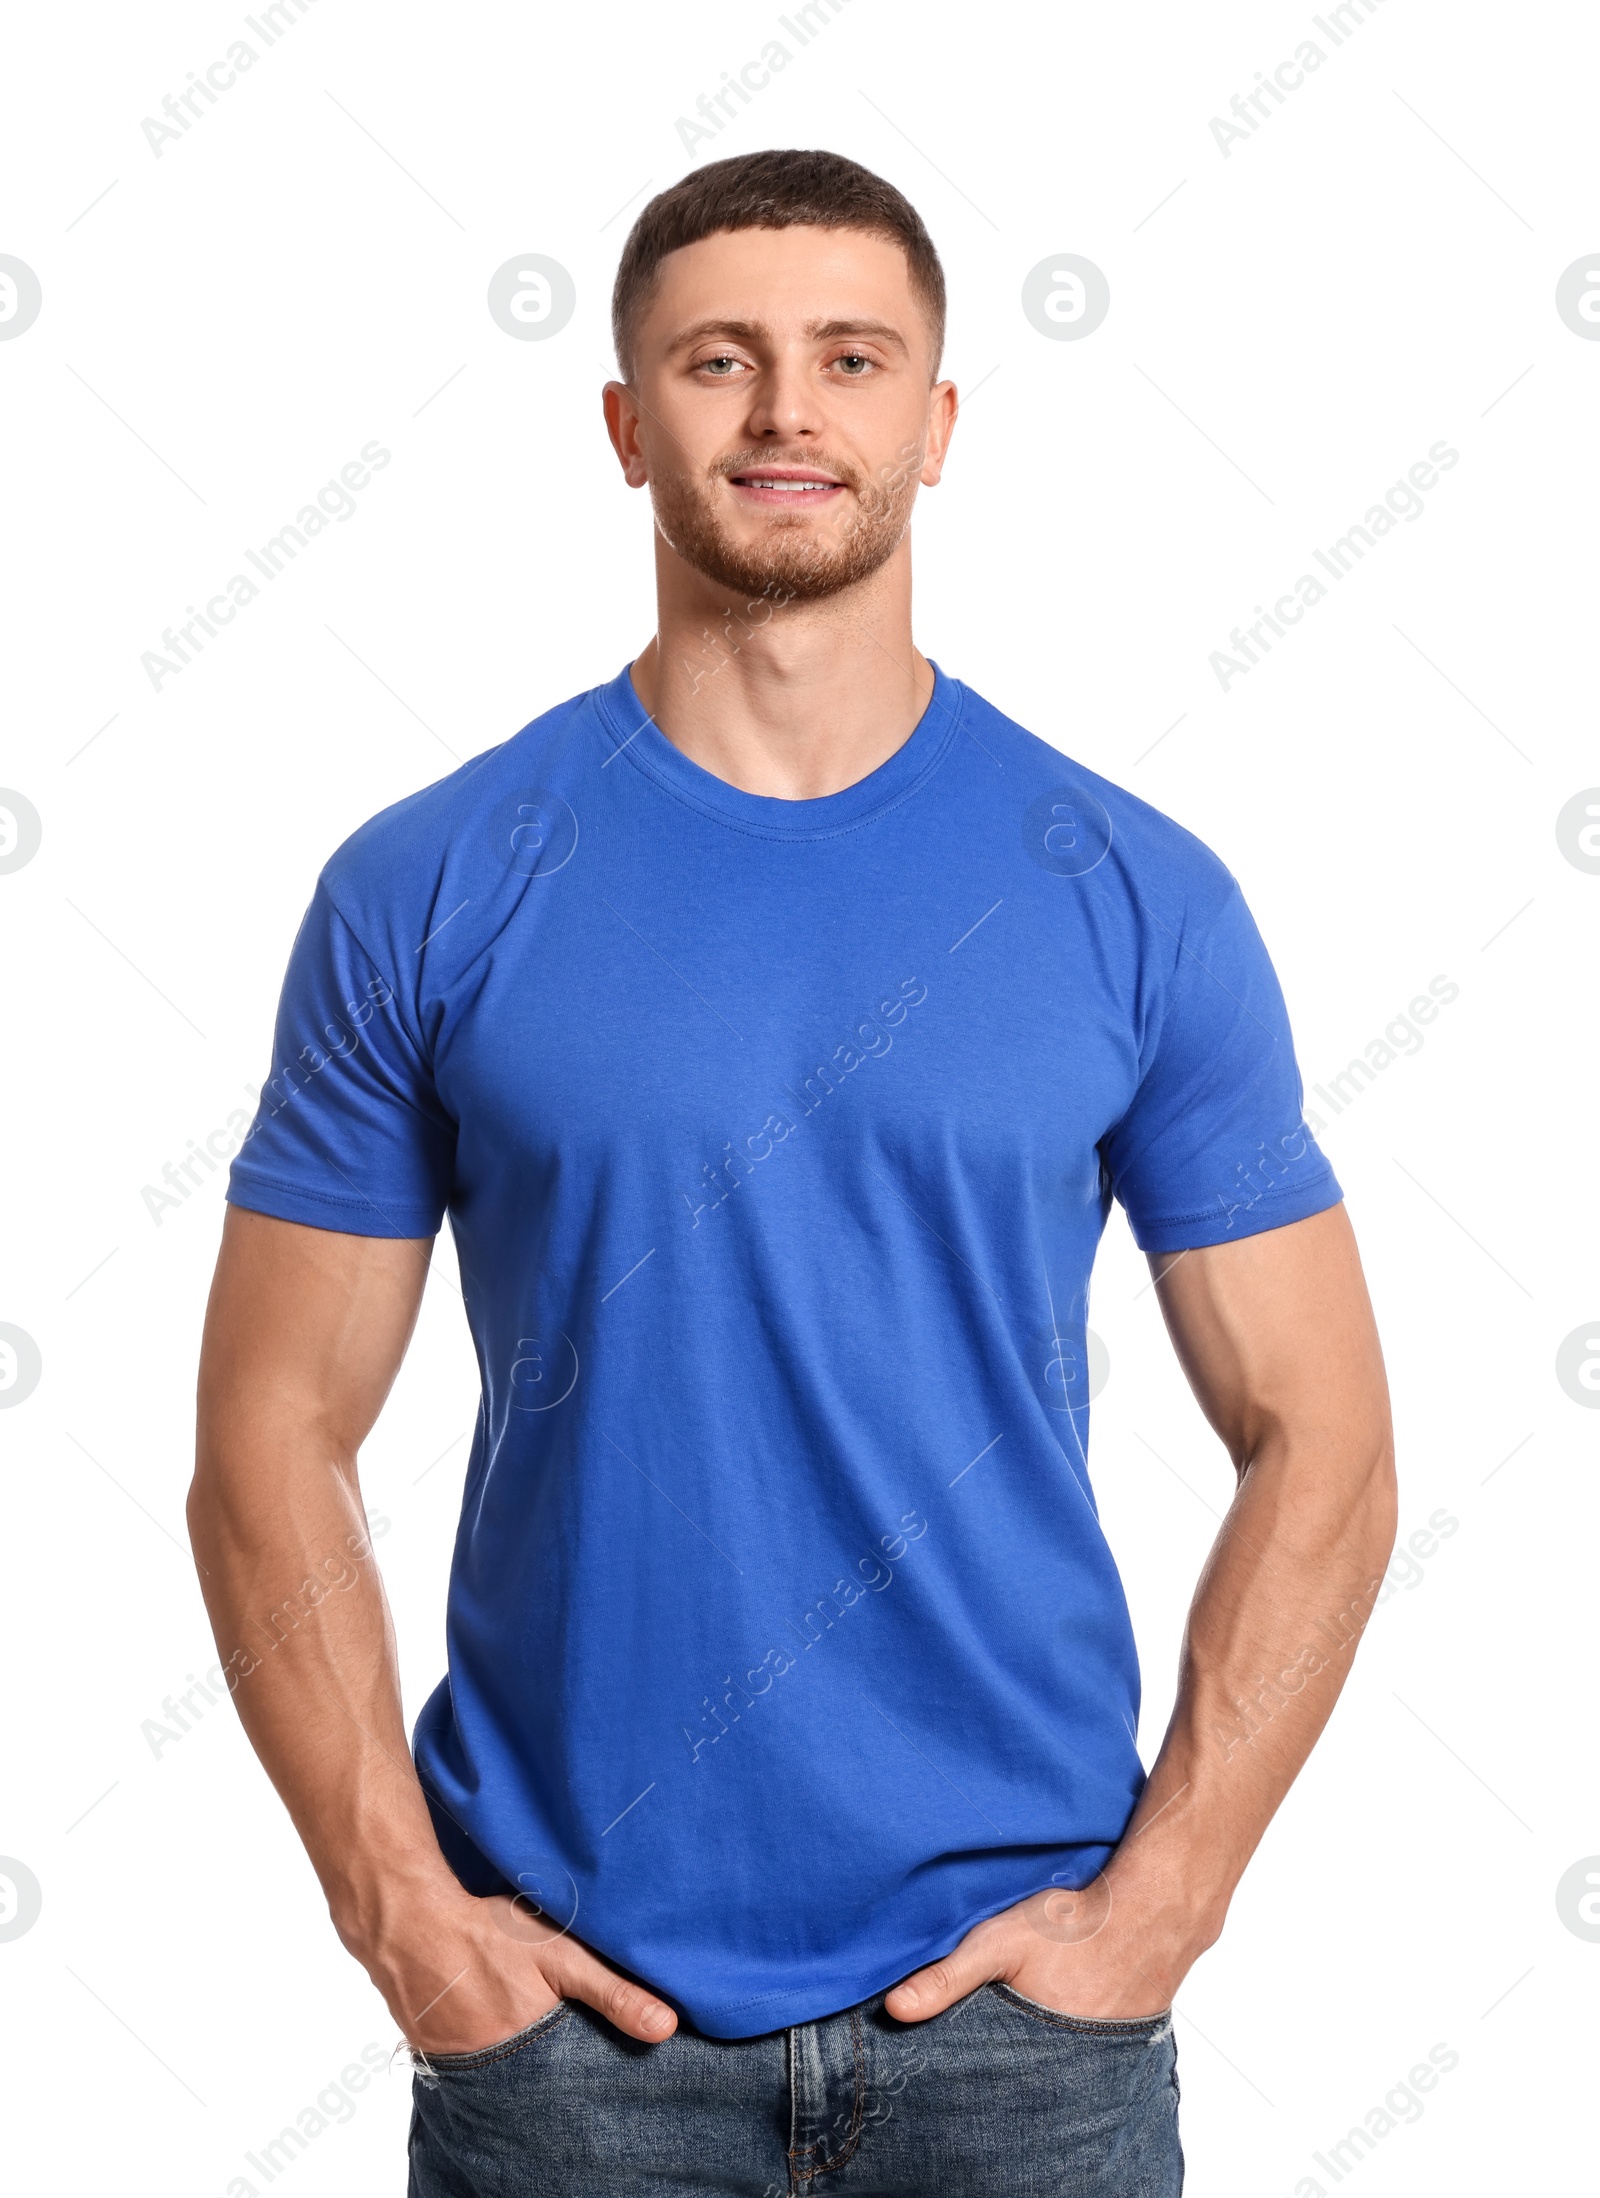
(199, 1514)
(1380, 1495)
(206, 1481)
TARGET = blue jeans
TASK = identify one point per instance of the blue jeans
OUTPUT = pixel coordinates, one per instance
(998, 2095)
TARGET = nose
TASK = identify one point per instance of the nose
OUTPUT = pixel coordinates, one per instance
(785, 405)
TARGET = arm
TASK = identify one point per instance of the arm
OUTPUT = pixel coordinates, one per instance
(1276, 1336)
(304, 1335)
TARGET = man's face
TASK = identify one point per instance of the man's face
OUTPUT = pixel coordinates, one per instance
(783, 409)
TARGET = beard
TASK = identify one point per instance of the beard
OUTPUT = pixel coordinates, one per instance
(794, 558)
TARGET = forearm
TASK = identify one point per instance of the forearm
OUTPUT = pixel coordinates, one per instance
(1276, 1618)
(303, 1632)
(304, 1335)
(1276, 1335)
(303, 1628)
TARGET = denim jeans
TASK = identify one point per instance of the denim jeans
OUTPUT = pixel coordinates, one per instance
(997, 2095)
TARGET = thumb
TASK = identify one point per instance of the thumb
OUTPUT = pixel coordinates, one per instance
(977, 1960)
(570, 1969)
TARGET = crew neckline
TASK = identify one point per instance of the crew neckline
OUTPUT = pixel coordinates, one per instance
(638, 737)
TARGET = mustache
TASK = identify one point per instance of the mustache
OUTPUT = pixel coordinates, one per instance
(816, 461)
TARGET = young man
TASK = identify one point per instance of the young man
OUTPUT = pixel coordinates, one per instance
(776, 1024)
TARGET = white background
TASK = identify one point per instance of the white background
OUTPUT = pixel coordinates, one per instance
(1372, 271)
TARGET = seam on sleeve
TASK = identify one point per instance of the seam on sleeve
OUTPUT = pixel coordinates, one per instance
(1150, 1053)
(253, 1184)
(413, 1039)
(1273, 1209)
(1279, 1191)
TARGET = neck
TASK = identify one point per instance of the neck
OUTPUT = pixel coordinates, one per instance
(795, 700)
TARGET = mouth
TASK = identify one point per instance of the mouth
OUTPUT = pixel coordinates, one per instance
(788, 486)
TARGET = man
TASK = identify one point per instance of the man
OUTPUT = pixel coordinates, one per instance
(776, 1023)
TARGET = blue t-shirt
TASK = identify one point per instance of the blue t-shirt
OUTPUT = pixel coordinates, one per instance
(777, 1138)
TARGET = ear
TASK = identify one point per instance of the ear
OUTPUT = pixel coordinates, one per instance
(942, 409)
(622, 425)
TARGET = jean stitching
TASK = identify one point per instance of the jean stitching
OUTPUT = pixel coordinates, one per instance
(857, 2112)
(508, 2046)
(1053, 2019)
(791, 2150)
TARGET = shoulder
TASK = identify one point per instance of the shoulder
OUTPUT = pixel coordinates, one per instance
(454, 829)
(1074, 821)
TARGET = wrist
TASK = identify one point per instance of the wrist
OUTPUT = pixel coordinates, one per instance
(1183, 1852)
(372, 1897)
(1182, 1896)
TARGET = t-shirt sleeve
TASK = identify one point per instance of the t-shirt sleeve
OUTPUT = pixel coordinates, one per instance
(1214, 1144)
(350, 1133)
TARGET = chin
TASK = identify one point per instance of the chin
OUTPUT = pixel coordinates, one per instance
(788, 556)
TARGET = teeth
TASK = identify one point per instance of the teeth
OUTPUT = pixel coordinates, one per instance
(756, 482)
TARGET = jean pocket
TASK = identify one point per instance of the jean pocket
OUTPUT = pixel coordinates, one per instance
(1138, 2027)
(453, 2064)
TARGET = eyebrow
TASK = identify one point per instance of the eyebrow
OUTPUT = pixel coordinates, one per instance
(757, 332)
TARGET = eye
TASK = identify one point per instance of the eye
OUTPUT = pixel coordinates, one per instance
(854, 363)
(721, 366)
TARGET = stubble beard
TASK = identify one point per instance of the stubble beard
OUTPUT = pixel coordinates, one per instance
(794, 559)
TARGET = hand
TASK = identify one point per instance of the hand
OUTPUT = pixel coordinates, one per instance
(1082, 1953)
(460, 1973)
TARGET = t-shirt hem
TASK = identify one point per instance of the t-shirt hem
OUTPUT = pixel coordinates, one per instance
(355, 1216)
(1223, 1224)
(791, 2005)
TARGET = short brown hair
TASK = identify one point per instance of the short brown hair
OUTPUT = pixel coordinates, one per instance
(773, 190)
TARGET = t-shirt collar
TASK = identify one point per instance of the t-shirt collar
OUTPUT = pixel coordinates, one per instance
(637, 736)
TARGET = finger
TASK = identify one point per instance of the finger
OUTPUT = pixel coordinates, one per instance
(577, 1974)
(930, 1991)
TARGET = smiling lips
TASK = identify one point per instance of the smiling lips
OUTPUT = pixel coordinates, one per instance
(786, 485)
